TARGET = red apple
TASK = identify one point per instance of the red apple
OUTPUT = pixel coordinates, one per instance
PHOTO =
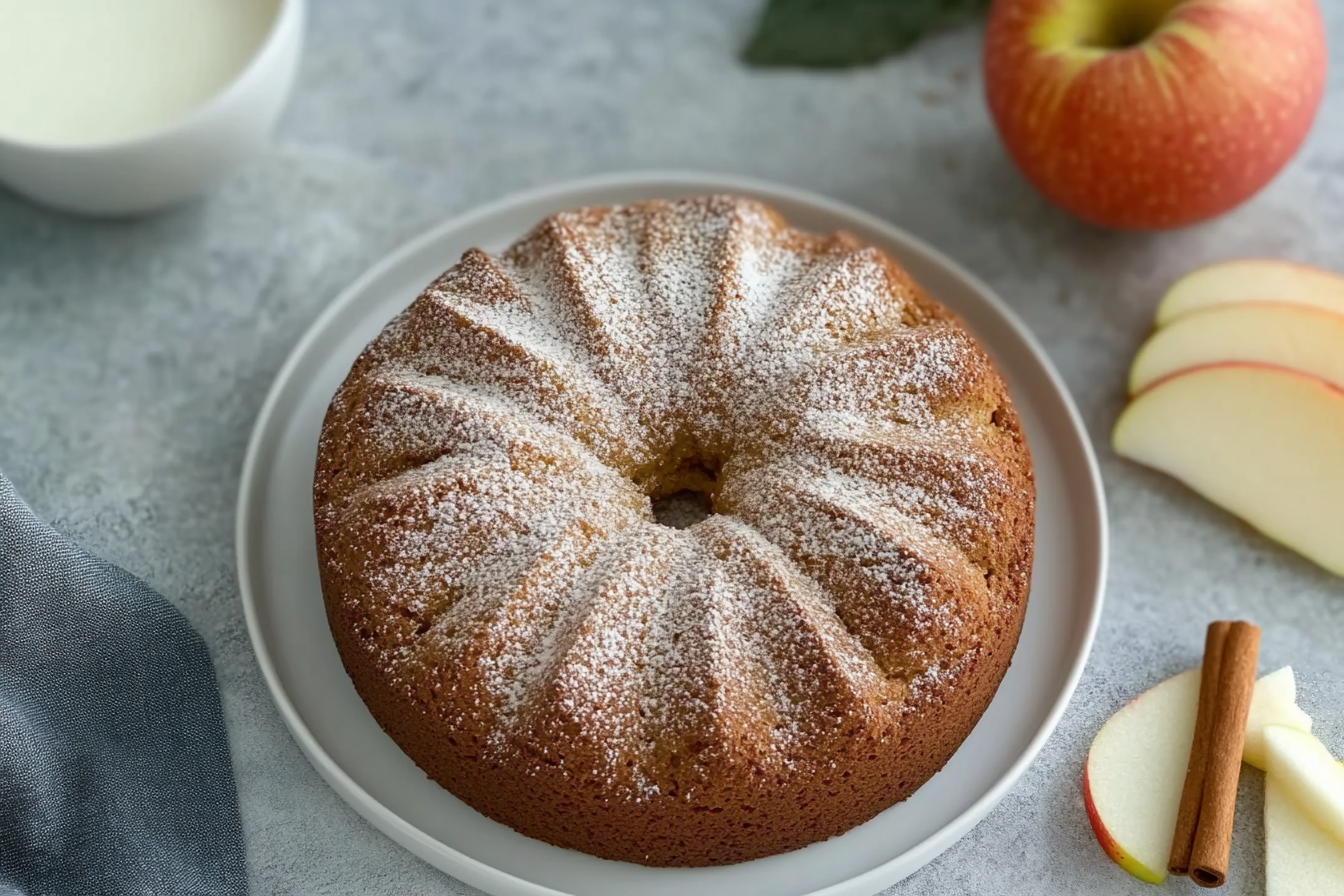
(1153, 113)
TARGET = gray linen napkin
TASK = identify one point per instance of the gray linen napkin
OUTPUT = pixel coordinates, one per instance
(114, 766)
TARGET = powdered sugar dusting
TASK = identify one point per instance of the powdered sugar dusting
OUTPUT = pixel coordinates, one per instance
(494, 452)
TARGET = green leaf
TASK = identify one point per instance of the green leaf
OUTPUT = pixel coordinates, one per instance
(842, 33)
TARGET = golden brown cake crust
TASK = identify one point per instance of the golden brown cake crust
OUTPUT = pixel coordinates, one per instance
(519, 622)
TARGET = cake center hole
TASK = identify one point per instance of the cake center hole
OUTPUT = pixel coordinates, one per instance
(682, 509)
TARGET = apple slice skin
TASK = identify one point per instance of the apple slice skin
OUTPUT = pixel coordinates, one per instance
(1298, 337)
(1252, 280)
(1108, 845)
(1260, 441)
(1134, 771)
(1145, 749)
(1309, 774)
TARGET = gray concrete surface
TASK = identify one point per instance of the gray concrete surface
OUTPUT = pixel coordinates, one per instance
(134, 356)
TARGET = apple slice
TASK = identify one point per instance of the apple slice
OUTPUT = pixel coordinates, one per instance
(1297, 337)
(1252, 280)
(1263, 442)
(1135, 769)
(1134, 772)
(1309, 774)
(1300, 858)
(1273, 702)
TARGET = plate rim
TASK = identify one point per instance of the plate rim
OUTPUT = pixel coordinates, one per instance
(473, 871)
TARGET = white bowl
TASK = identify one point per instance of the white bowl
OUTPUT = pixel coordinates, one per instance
(165, 166)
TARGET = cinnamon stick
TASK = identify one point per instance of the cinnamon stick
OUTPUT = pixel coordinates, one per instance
(1187, 816)
(1227, 735)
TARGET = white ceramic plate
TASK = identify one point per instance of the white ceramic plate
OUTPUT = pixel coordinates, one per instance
(277, 571)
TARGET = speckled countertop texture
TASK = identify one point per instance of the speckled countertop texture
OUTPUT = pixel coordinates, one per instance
(134, 356)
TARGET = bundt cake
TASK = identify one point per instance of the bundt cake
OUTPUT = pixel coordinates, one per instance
(801, 647)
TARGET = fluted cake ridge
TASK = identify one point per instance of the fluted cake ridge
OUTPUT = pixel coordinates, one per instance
(517, 618)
